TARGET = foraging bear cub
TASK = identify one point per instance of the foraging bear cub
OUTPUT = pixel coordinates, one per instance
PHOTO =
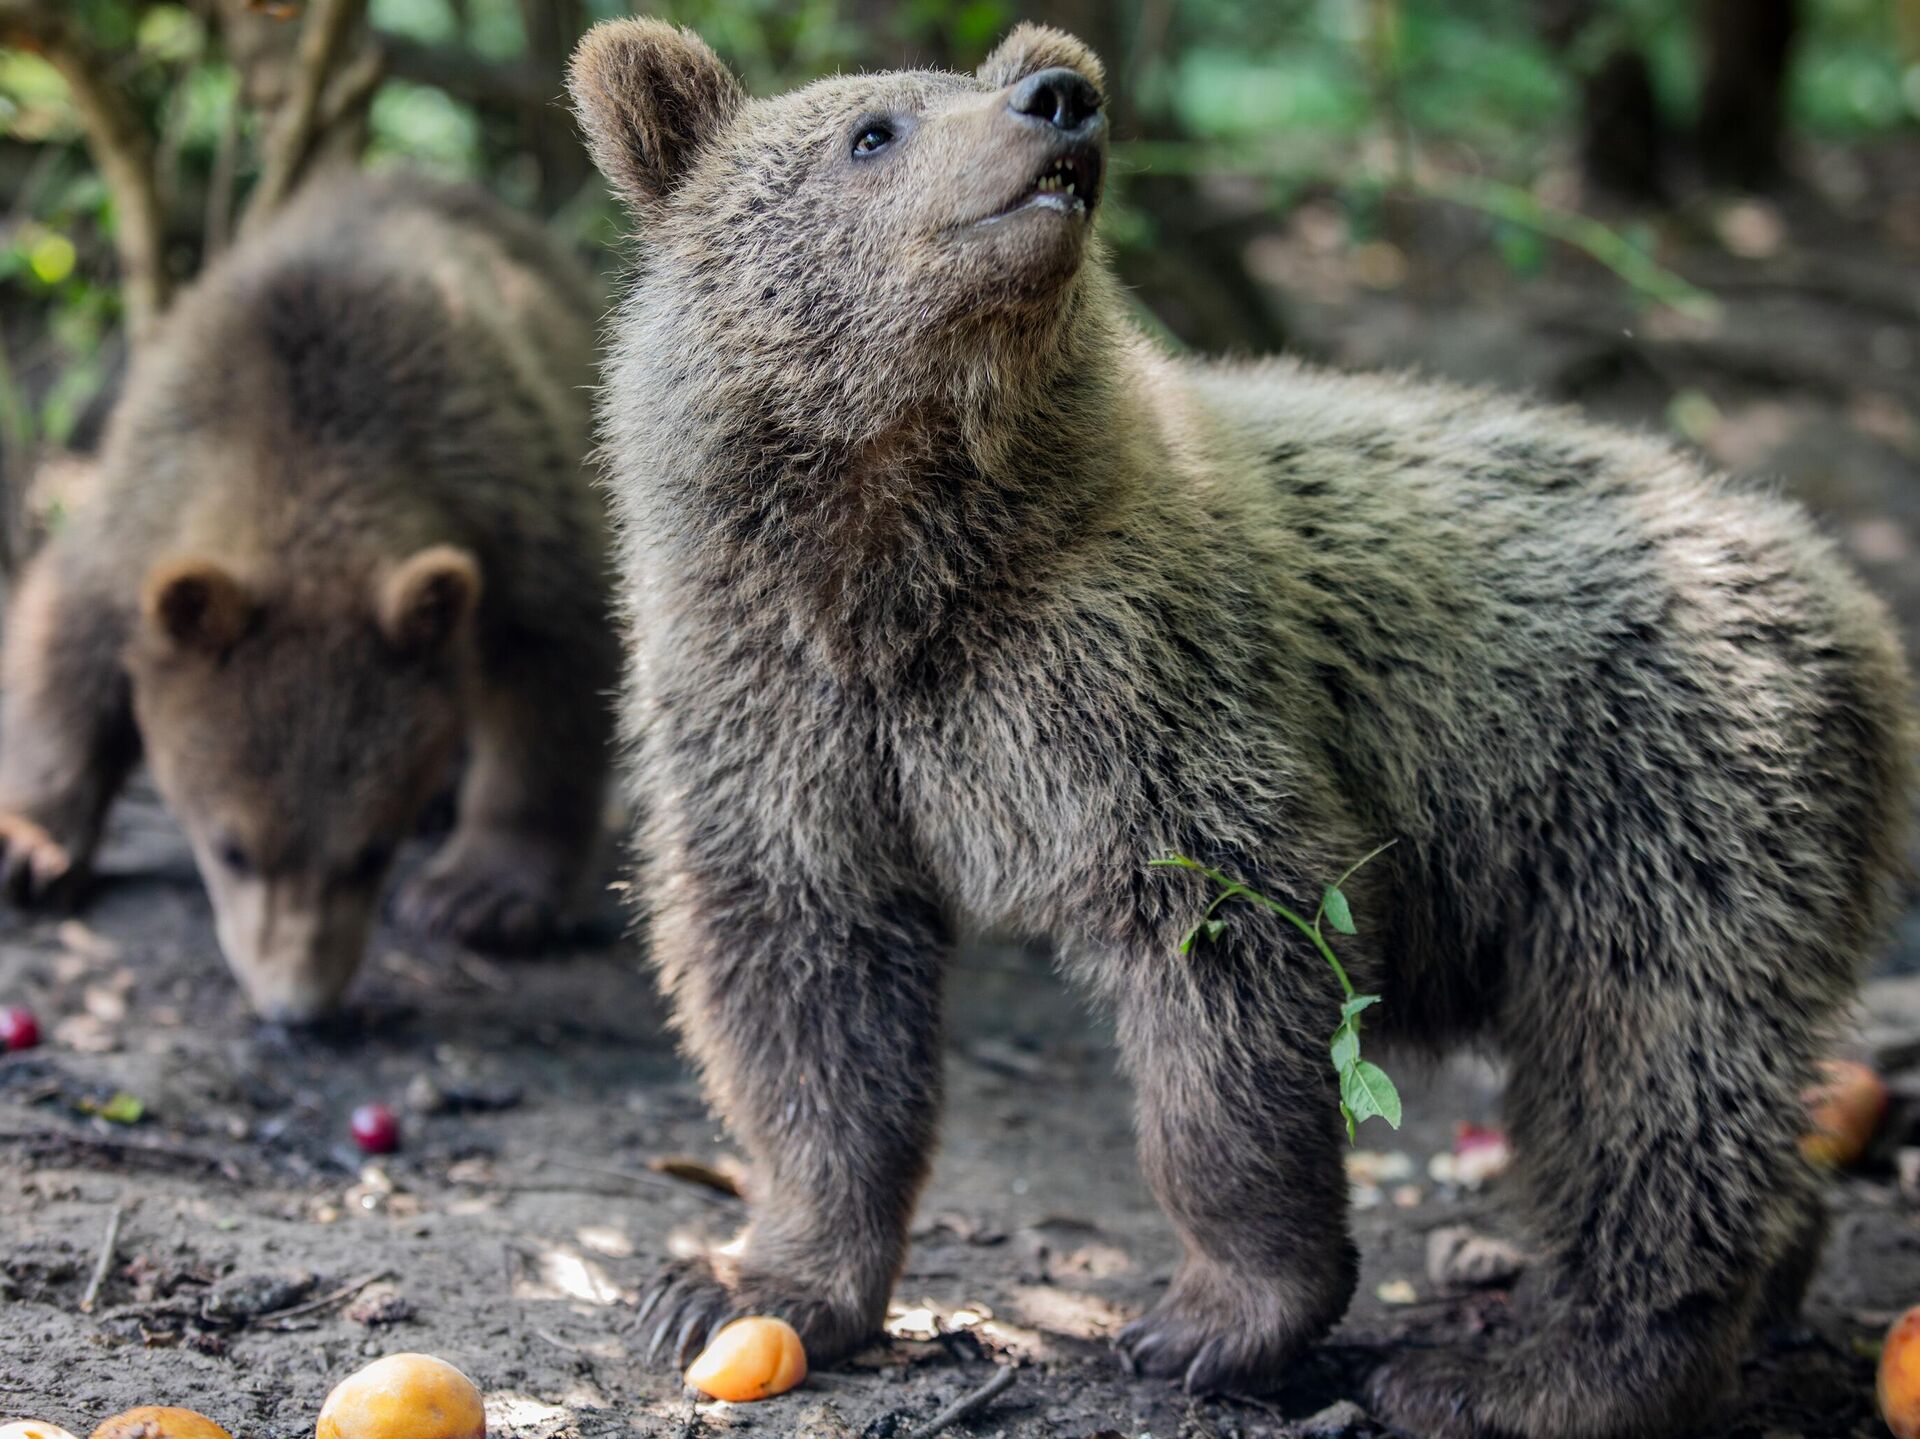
(954, 603)
(342, 528)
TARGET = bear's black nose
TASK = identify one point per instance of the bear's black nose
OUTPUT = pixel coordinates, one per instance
(1063, 98)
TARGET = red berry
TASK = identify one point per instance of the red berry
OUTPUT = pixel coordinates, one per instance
(375, 1129)
(18, 1028)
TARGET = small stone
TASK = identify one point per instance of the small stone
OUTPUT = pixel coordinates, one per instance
(240, 1297)
(379, 1307)
(1906, 1164)
(1344, 1420)
(424, 1096)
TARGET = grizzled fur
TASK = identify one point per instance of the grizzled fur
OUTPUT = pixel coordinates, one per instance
(953, 603)
(341, 532)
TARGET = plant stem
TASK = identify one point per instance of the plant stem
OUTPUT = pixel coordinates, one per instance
(1234, 888)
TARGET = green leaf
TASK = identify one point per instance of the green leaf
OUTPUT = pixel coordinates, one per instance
(1210, 928)
(123, 1108)
(1359, 1002)
(1366, 1091)
(1334, 906)
(1347, 1114)
(1346, 1048)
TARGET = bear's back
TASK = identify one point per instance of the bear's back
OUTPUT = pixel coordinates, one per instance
(385, 346)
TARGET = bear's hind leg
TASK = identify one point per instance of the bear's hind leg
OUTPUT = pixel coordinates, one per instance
(1654, 1106)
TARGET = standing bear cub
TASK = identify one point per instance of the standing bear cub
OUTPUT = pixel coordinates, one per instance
(342, 531)
(954, 603)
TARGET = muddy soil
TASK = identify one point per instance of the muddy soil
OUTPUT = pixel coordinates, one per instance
(259, 1257)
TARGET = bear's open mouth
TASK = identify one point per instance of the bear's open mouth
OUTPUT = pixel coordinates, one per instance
(1068, 183)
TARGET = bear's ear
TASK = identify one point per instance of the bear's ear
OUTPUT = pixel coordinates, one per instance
(196, 605)
(649, 96)
(428, 598)
(1031, 48)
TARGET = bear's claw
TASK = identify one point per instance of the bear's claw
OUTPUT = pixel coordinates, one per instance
(35, 868)
(1431, 1395)
(1205, 1352)
(487, 904)
(687, 1303)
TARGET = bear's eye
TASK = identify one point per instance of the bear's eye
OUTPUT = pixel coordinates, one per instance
(233, 858)
(873, 137)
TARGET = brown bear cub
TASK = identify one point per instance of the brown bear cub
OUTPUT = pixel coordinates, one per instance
(342, 533)
(955, 603)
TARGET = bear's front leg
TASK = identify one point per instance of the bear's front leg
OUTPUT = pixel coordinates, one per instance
(1239, 1136)
(529, 807)
(813, 1012)
(67, 735)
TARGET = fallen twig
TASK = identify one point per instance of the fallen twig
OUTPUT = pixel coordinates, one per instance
(694, 1171)
(105, 1262)
(967, 1404)
(325, 1301)
(648, 1179)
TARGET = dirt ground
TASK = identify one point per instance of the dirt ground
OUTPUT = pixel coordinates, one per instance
(259, 1258)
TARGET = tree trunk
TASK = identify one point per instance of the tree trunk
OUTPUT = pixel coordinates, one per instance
(1623, 139)
(1749, 50)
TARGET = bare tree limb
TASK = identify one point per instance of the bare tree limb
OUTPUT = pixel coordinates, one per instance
(344, 109)
(220, 185)
(290, 140)
(122, 150)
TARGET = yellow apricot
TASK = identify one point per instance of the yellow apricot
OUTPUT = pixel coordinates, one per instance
(32, 1429)
(404, 1396)
(151, 1422)
(1899, 1383)
(1845, 1109)
(752, 1358)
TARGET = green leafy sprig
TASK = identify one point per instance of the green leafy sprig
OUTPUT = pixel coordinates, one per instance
(1365, 1090)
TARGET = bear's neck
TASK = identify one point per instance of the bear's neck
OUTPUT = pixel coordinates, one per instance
(880, 545)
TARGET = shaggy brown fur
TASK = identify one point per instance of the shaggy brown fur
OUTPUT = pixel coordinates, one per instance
(342, 527)
(953, 603)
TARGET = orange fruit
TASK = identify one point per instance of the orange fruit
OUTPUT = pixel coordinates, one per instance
(32, 1429)
(1899, 1383)
(1845, 1108)
(403, 1396)
(752, 1358)
(152, 1422)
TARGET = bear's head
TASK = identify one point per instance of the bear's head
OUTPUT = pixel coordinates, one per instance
(851, 237)
(296, 736)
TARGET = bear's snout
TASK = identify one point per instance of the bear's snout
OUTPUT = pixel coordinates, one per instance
(1062, 98)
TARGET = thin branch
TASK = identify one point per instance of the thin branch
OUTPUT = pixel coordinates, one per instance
(325, 1301)
(295, 128)
(968, 1404)
(218, 227)
(1511, 203)
(104, 1264)
(122, 151)
(352, 90)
